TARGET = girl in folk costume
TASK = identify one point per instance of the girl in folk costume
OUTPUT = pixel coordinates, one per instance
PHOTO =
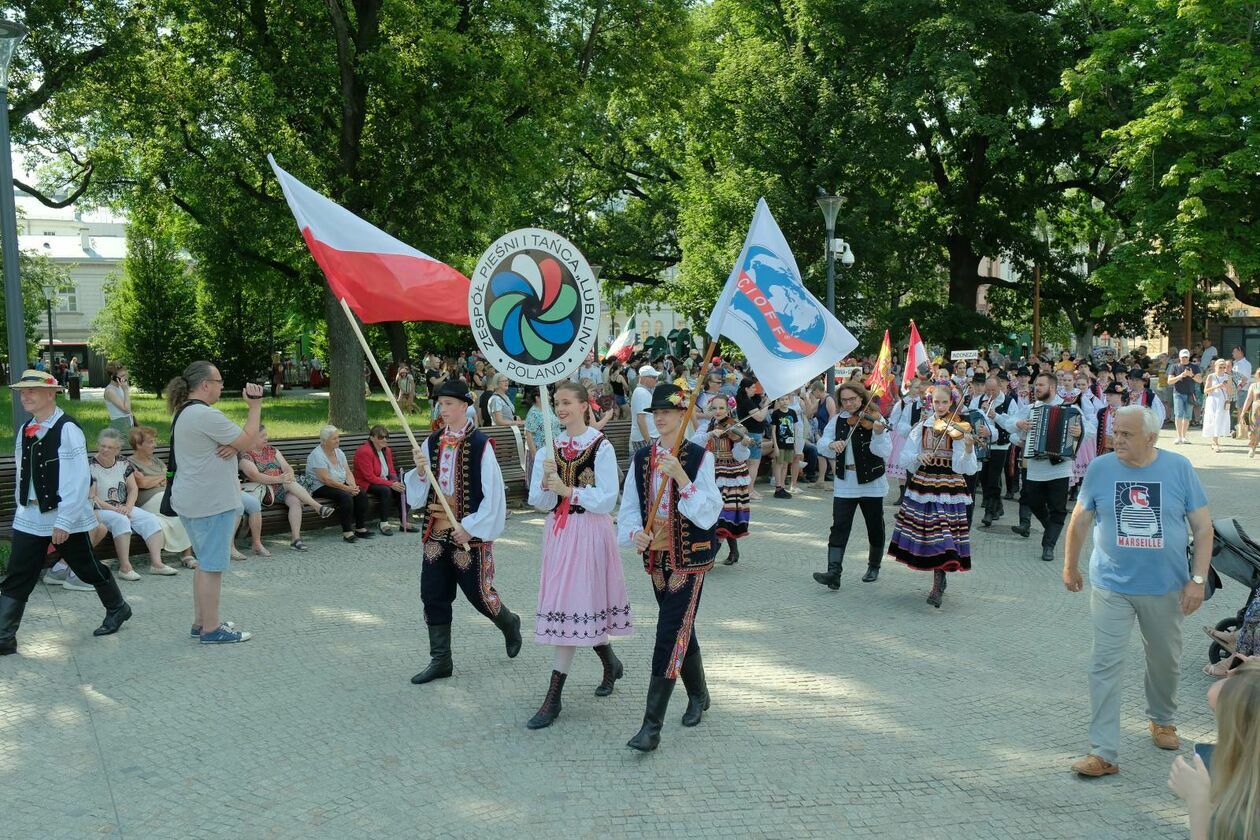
(582, 598)
(1115, 395)
(1074, 390)
(930, 531)
(906, 414)
(725, 439)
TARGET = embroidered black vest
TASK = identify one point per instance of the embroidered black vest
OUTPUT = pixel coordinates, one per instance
(579, 471)
(1003, 406)
(692, 548)
(41, 464)
(1102, 439)
(868, 466)
(468, 453)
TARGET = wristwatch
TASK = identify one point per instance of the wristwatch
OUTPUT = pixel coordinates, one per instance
(1199, 579)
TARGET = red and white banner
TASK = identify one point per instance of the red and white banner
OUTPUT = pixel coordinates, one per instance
(381, 278)
(916, 355)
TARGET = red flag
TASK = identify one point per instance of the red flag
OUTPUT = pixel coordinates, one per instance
(916, 355)
(381, 278)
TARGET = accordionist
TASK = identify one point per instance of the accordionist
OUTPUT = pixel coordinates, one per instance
(1045, 491)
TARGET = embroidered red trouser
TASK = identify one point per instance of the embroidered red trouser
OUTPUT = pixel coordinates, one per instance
(448, 567)
(678, 598)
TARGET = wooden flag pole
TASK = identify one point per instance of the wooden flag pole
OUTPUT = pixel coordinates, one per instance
(682, 431)
(402, 418)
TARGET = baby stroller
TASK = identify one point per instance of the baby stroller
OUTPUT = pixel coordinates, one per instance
(1236, 556)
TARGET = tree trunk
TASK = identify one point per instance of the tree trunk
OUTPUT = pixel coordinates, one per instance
(347, 408)
(1084, 338)
(396, 332)
(964, 280)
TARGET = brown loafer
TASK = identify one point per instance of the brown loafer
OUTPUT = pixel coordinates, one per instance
(1165, 737)
(1094, 766)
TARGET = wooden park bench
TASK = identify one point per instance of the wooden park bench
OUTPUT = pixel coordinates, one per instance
(295, 451)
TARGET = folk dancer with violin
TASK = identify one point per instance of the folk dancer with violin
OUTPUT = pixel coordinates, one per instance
(725, 439)
(990, 403)
(459, 554)
(930, 531)
(859, 441)
(906, 414)
(678, 543)
(1115, 396)
(1045, 489)
(582, 599)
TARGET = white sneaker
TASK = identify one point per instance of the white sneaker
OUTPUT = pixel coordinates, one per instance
(73, 583)
(55, 576)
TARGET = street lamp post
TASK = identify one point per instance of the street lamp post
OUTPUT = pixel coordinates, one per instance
(11, 34)
(830, 205)
(50, 294)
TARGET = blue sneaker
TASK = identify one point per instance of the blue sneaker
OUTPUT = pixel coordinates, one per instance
(225, 636)
(196, 629)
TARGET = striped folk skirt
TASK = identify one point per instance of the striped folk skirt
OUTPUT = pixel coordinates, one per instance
(732, 482)
(930, 530)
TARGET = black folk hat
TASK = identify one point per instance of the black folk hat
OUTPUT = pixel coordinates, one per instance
(668, 397)
(456, 388)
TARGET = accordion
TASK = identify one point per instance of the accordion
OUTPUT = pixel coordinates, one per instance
(1047, 435)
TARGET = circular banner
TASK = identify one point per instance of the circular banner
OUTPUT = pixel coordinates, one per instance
(533, 306)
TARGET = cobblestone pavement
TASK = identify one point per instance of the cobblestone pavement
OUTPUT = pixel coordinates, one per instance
(859, 713)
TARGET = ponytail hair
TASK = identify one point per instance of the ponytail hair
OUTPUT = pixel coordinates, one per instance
(179, 388)
(581, 393)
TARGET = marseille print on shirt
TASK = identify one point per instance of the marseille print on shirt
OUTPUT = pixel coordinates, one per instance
(1139, 506)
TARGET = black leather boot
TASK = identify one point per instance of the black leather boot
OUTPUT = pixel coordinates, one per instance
(872, 574)
(550, 708)
(988, 517)
(938, 589)
(440, 665)
(116, 609)
(648, 737)
(835, 566)
(612, 669)
(1025, 522)
(1048, 542)
(733, 557)
(11, 610)
(510, 623)
(692, 672)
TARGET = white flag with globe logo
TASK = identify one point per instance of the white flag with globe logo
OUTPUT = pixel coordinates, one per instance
(787, 336)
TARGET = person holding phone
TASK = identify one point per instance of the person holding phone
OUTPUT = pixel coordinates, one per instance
(118, 398)
(204, 489)
(1218, 783)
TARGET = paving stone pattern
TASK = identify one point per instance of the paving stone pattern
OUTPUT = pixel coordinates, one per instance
(858, 713)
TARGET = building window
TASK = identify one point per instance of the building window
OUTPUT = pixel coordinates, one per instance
(69, 300)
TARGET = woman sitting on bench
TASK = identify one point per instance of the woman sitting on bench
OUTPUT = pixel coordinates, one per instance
(269, 477)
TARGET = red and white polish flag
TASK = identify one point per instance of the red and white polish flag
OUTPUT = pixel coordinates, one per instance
(381, 278)
(917, 360)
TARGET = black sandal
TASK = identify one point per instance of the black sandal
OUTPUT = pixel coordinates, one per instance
(298, 545)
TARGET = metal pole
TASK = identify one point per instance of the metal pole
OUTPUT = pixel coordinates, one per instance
(50, 335)
(1036, 336)
(14, 320)
(831, 298)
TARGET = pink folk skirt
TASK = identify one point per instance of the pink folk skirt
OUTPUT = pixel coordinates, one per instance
(894, 469)
(1087, 452)
(582, 598)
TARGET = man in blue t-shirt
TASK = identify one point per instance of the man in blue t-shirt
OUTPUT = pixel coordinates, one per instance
(1138, 499)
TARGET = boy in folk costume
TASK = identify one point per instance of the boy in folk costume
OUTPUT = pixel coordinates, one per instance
(677, 552)
(1116, 396)
(462, 459)
(52, 508)
(1140, 393)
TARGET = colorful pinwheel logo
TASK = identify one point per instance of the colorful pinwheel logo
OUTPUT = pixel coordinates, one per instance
(532, 308)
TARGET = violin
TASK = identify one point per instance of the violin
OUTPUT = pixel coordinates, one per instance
(868, 418)
(954, 428)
